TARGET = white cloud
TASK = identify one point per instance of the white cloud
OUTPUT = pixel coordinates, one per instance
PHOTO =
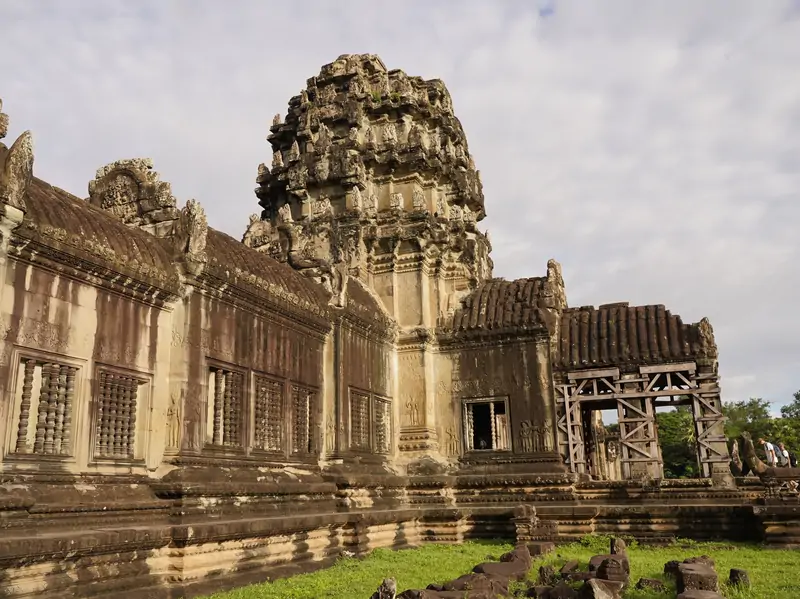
(651, 147)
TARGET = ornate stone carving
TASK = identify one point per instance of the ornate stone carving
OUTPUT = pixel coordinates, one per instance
(285, 214)
(418, 199)
(526, 433)
(277, 159)
(389, 134)
(322, 207)
(132, 191)
(396, 201)
(190, 235)
(276, 120)
(16, 170)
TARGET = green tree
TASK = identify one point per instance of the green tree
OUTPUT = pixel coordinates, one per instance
(676, 437)
(752, 416)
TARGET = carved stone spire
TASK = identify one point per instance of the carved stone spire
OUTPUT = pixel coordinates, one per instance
(359, 156)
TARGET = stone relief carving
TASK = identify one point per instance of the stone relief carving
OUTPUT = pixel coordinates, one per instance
(277, 159)
(526, 434)
(452, 443)
(418, 199)
(16, 171)
(396, 201)
(285, 214)
(174, 420)
(390, 134)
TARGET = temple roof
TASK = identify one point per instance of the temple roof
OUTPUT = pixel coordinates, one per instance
(234, 263)
(67, 223)
(499, 304)
(619, 335)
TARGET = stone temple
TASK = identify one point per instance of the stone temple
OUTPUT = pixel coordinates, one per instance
(184, 412)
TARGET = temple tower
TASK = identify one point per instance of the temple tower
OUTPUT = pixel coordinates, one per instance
(371, 177)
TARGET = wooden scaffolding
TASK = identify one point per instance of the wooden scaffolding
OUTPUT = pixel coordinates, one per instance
(635, 396)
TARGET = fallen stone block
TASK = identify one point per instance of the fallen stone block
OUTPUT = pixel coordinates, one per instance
(570, 566)
(613, 569)
(600, 589)
(516, 570)
(539, 592)
(541, 548)
(562, 591)
(387, 590)
(573, 576)
(595, 561)
(478, 582)
(671, 568)
(700, 559)
(651, 583)
(696, 576)
(618, 547)
(547, 576)
(739, 578)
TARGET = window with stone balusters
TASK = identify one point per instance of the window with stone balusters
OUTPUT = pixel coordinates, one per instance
(370, 423)
(116, 411)
(303, 406)
(226, 407)
(46, 400)
(269, 421)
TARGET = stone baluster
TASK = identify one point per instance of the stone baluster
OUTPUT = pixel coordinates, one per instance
(102, 415)
(493, 425)
(115, 432)
(260, 418)
(469, 417)
(25, 407)
(217, 436)
(133, 404)
(60, 408)
(227, 398)
(52, 406)
(66, 437)
(41, 422)
(125, 414)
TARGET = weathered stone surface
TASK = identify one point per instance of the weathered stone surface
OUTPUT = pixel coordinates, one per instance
(562, 591)
(386, 590)
(618, 546)
(697, 576)
(600, 589)
(570, 566)
(541, 548)
(614, 569)
(547, 575)
(739, 578)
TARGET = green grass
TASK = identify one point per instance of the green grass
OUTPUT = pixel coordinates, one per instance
(775, 573)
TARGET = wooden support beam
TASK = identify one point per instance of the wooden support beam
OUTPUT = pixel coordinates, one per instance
(689, 367)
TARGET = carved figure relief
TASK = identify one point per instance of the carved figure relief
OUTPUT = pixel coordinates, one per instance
(390, 134)
(322, 207)
(174, 421)
(418, 199)
(526, 433)
(294, 151)
(285, 214)
(412, 412)
(396, 201)
(357, 199)
(441, 205)
(276, 120)
(323, 142)
(452, 444)
(277, 159)
(612, 450)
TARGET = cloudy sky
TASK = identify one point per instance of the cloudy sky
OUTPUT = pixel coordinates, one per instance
(652, 147)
